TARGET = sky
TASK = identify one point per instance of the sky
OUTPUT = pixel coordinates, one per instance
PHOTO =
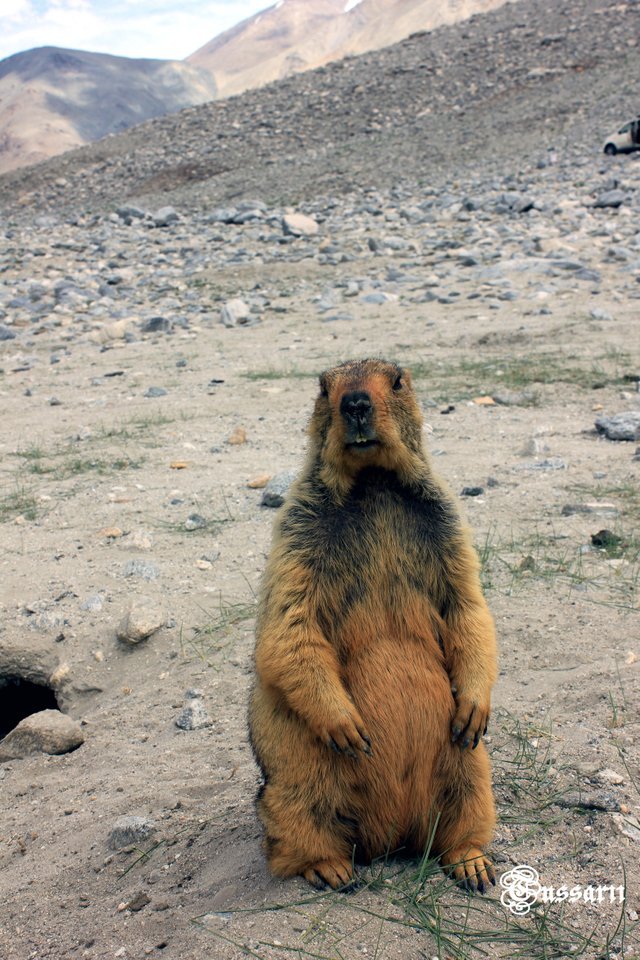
(165, 29)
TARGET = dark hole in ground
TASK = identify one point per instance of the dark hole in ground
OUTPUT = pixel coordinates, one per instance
(20, 698)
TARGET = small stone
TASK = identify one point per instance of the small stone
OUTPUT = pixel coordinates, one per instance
(130, 830)
(621, 426)
(238, 437)
(143, 619)
(193, 716)
(93, 603)
(610, 198)
(6, 333)
(533, 447)
(509, 398)
(48, 731)
(472, 491)
(137, 902)
(378, 298)
(484, 401)
(138, 540)
(610, 776)
(110, 331)
(142, 569)
(157, 325)
(155, 392)
(195, 522)
(211, 555)
(550, 463)
(234, 313)
(608, 509)
(130, 213)
(259, 482)
(299, 225)
(598, 314)
(164, 216)
(276, 489)
(110, 533)
(628, 825)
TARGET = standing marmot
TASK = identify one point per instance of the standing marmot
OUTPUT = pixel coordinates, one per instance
(375, 652)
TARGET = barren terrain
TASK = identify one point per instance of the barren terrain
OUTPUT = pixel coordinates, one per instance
(133, 420)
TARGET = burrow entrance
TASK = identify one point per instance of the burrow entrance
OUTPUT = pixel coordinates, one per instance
(20, 698)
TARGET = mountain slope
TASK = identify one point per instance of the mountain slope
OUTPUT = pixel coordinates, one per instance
(52, 99)
(510, 84)
(296, 35)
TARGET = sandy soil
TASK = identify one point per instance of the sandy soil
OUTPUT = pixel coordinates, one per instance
(105, 457)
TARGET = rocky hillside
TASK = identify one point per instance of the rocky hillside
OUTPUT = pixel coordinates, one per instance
(52, 99)
(510, 84)
(296, 35)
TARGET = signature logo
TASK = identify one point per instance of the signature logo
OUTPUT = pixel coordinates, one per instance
(521, 890)
(521, 887)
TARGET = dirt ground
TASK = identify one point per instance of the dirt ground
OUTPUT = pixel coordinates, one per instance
(564, 735)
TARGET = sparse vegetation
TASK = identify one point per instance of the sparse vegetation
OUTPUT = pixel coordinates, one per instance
(20, 502)
(396, 894)
(509, 564)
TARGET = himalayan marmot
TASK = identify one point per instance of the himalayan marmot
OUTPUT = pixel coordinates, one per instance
(375, 652)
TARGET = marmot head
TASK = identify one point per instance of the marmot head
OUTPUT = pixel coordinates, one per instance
(367, 416)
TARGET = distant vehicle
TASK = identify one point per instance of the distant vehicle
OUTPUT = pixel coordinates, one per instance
(625, 140)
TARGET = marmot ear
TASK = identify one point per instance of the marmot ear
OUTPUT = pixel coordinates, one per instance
(324, 386)
(403, 379)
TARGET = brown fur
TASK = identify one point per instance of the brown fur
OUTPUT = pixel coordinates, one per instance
(375, 651)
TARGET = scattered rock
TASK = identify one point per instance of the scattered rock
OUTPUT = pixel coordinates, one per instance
(164, 216)
(299, 225)
(610, 776)
(259, 482)
(513, 398)
(607, 509)
(193, 716)
(141, 569)
(472, 491)
(238, 437)
(621, 426)
(6, 333)
(276, 489)
(130, 830)
(130, 213)
(143, 619)
(155, 392)
(110, 533)
(628, 825)
(195, 522)
(48, 731)
(550, 463)
(610, 198)
(235, 313)
(93, 603)
(136, 903)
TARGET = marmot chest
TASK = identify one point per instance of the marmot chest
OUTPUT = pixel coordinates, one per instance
(380, 567)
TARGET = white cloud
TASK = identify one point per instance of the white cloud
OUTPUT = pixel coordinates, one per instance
(166, 29)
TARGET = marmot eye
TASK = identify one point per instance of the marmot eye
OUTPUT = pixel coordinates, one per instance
(398, 384)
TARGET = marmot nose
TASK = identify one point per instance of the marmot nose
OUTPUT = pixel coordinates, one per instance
(356, 405)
